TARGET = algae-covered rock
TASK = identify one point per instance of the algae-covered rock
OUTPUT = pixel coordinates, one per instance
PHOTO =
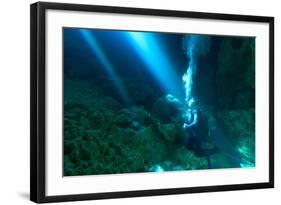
(123, 120)
(169, 132)
(150, 146)
(188, 160)
(173, 132)
(164, 109)
(103, 137)
(135, 118)
(101, 119)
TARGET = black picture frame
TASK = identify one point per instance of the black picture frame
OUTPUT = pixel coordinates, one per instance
(38, 101)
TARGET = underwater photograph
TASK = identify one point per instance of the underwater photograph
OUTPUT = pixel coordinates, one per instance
(139, 101)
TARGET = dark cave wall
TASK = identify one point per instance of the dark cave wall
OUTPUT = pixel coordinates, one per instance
(235, 77)
(226, 75)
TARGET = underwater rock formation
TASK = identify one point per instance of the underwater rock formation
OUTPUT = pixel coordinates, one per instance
(164, 110)
(236, 74)
(134, 117)
(240, 125)
(187, 159)
(101, 137)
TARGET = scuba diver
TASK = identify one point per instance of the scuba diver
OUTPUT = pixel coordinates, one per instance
(198, 128)
(196, 125)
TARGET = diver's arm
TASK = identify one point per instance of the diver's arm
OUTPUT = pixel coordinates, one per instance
(174, 101)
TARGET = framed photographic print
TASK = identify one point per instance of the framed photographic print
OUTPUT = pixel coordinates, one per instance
(129, 102)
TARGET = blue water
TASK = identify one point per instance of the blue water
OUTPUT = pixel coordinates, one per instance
(142, 84)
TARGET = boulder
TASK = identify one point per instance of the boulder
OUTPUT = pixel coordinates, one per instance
(164, 109)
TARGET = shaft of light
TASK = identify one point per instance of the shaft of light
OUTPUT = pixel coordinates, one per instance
(100, 54)
(157, 62)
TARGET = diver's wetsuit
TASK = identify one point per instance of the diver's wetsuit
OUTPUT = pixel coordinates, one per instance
(197, 128)
(198, 132)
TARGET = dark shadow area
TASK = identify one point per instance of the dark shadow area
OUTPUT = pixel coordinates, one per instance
(24, 195)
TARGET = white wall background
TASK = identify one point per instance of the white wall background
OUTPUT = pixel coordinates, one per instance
(14, 100)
